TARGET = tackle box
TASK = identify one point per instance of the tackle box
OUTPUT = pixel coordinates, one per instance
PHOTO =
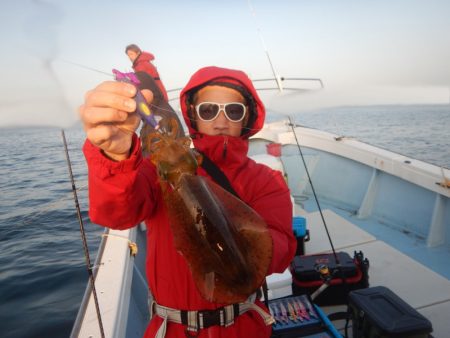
(297, 316)
(350, 274)
(379, 312)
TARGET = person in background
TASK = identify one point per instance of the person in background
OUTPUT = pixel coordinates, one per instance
(222, 110)
(142, 62)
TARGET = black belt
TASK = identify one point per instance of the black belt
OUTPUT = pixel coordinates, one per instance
(207, 318)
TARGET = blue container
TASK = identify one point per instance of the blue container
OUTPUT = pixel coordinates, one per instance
(299, 226)
(301, 233)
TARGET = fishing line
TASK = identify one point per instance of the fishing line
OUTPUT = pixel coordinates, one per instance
(339, 269)
(112, 75)
(291, 124)
(338, 129)
(151, 105)
(83, 237)
(86, 67)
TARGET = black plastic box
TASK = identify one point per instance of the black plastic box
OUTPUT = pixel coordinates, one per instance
(351, 274)
(379, 312)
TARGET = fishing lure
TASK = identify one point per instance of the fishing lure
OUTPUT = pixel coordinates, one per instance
(303, 310)
(311, 310)
(292, 313)
(297, 310)
(141, 104)
(284, 314)
(274, 312)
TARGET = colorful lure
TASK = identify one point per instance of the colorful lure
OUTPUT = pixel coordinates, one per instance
(274, 312)
(311, 310)
(141, 104)
(297, 310)
(284, 314)
(292, 313)
(303, 311)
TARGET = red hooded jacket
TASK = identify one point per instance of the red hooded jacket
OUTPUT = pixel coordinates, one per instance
(143, 63)
(122, 194)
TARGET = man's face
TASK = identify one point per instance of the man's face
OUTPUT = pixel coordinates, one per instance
(221, 125)
(132, 55)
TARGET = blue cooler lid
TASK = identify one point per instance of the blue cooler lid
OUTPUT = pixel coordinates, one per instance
(299, 226)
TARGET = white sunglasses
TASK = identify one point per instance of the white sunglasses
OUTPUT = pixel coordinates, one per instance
(209, 111)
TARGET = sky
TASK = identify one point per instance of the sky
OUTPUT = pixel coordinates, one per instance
(365, 52)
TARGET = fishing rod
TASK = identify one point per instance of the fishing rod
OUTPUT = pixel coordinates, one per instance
(275, 74)
(292, 125)
(83, 237)
(323, 270)
(279, 79)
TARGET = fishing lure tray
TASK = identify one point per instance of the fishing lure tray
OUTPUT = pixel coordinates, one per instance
(379, 312)
(308, 276)
(297, 316)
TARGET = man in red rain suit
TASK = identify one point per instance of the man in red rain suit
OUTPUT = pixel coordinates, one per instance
(124, 191)
(142, 62)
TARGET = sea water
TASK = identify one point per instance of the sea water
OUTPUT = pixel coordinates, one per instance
(417, 131)
(42, 266)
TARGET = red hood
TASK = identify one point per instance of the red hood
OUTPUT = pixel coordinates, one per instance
(208, 74)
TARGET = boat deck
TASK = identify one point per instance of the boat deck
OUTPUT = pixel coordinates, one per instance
(422, 288)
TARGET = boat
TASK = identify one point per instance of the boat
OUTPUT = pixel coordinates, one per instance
(393, 208)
